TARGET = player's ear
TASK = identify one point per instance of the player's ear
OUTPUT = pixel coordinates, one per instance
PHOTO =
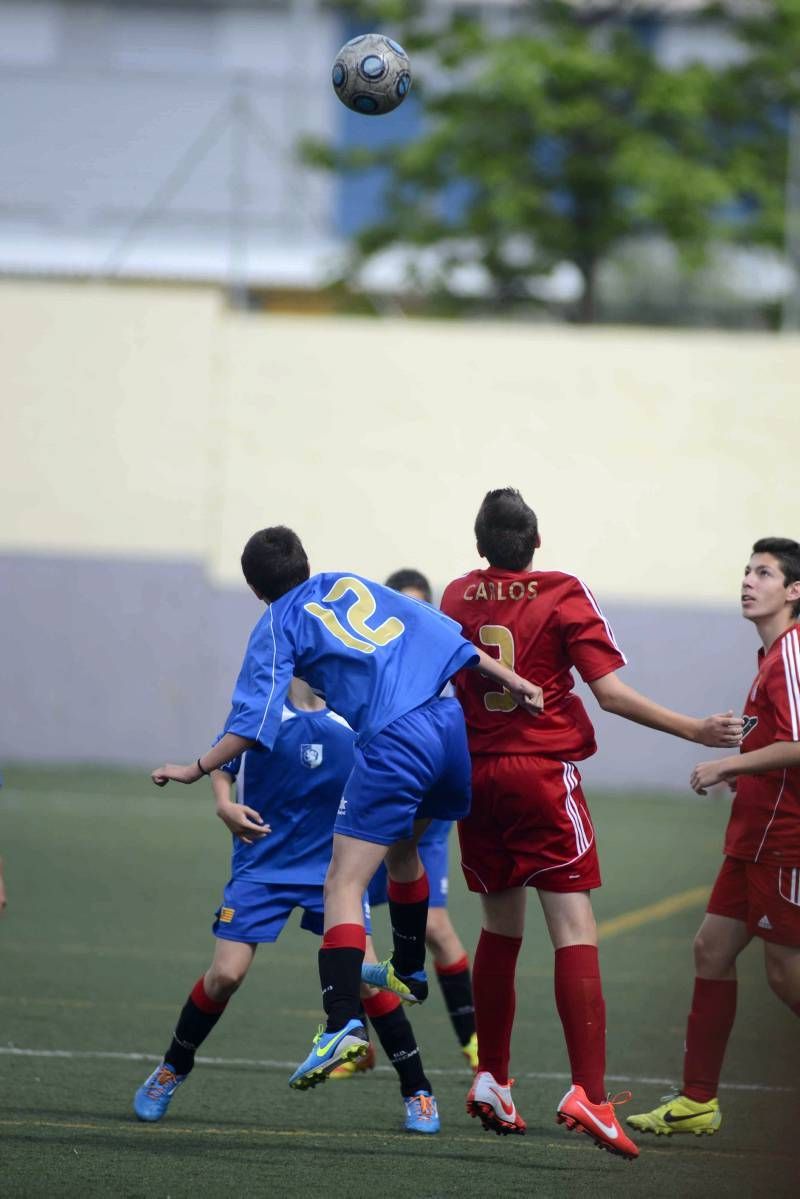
(480, 551)
(257, 594)
(538, 544)
(793, 592)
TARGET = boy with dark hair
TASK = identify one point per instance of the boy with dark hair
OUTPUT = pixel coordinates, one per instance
(443, 942)
(277, 867)
(757, 891)
(411, 582)
(381, 660)
(529, 825)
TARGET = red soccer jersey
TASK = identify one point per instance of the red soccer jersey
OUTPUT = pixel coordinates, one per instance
(542, 624)
(765, 817)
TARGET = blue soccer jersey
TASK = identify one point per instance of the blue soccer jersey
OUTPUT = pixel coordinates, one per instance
(296, 789)
(373, 653)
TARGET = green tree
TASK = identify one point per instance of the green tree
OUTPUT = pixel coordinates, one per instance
(566, 139)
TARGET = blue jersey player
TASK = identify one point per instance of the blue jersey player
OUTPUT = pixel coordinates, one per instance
(283, 829)
(443, 942)
(381, 660)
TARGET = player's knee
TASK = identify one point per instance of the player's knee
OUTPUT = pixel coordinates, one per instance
(223, 981)
(781, 981)
(711, 960)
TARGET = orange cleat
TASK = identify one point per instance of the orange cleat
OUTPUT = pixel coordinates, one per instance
(597, 1120)
(493, 1105)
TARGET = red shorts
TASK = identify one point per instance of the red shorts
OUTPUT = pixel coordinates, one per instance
(763, 896)
(528, 827)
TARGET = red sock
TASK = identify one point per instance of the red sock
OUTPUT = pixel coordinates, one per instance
(580, 1003)
(796, 1009)
(495, 1000)
(203, 1001)
(707, 1031)
(381, 1004)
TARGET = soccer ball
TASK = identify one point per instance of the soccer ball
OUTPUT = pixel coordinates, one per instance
(371, 74)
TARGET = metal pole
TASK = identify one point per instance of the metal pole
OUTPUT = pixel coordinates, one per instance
(790, 321)
(238, 183)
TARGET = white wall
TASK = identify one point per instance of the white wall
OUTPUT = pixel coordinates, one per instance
(155, 422)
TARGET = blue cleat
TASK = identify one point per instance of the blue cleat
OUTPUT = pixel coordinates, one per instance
(411, 988)
(422, 1113)
(329, 1050)
(155, 1094)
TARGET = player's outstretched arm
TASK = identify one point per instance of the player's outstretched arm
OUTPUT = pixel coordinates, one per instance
(781, 755)
(527, 694)
(721, 731)
(245, 823)
(229, 746)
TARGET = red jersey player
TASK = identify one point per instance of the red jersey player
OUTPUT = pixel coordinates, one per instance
(529, 825)
(757, 892)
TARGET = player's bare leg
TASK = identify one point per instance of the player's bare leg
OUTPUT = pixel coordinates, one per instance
(493, 977)
(782, 963)
(695, 1108)
(228, 969)
(202, 1010)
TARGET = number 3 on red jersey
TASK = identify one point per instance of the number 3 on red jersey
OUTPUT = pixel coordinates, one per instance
(501, 637)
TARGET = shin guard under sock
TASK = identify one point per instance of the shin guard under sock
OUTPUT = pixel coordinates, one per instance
(580, 1003)
(198, 1016)
(456, 987)
(708, 1028)
(340, 959)
(408, 911)
(394, 1031)
(493, 974)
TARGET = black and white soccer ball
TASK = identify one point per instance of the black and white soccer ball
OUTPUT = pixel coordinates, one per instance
(371, 74)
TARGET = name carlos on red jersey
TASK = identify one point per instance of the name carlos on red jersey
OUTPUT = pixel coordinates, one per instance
(542, 624)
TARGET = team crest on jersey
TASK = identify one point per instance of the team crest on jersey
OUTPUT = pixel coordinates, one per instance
(311, 756)
(749, 723)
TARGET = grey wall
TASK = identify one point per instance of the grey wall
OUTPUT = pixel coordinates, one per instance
(107, 660)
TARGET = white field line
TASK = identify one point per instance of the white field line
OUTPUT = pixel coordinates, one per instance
(269, 1064)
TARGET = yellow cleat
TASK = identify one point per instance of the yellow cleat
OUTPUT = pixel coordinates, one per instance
(359, 1065)
(470, 1051)
(677, 1113)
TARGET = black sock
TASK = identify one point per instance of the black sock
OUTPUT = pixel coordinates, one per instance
(457, 992)
(192, 1028)
(400, 1046)
(340, 976)
(409, 921)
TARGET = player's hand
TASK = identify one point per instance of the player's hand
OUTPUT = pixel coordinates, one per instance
(723, 731)
(707, 774)
(176, 774)
(245, 823)
(528, 695)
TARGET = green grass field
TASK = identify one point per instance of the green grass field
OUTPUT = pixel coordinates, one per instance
(112, 885)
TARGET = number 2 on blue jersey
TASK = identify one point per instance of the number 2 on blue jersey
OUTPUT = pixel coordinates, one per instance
(359, 636)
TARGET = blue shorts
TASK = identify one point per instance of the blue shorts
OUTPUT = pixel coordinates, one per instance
(418, 766)
(434, 855)
(256, 913)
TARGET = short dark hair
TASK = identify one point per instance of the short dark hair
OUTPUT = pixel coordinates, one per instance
(399, 580)
(506, 529)
(274, 561)
(787, 554)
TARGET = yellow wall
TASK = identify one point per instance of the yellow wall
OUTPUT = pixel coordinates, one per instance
(153, 422)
